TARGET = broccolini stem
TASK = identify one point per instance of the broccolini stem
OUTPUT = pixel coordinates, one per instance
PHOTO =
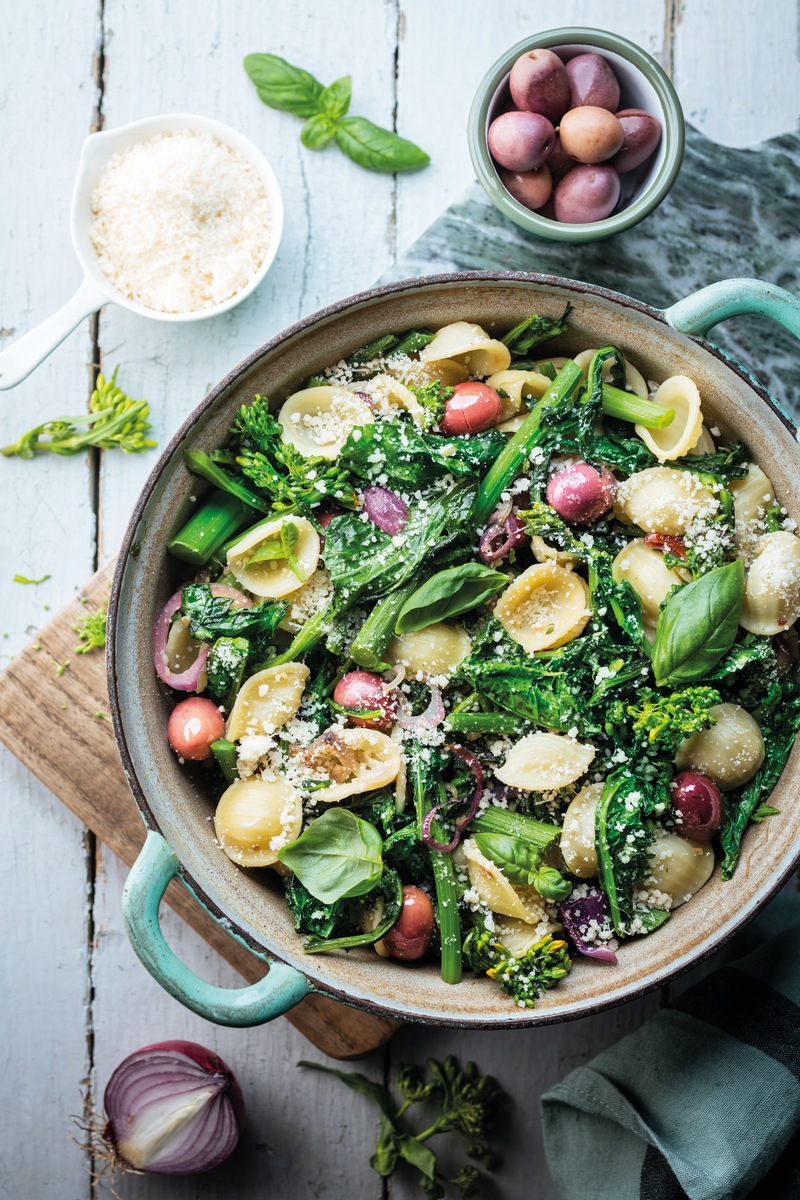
(225, 754)
(209, 528)
(447, 889)
(483, 722)
(604, 863)
(378, 629)
(199, 463)
(309, 636)
(500, 820)
(630, 407)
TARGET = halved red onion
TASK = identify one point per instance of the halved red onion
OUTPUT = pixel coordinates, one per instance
(385, 509)
(239, 599)
(577, 914)
(431, 717)
(187, 680)
(462, 822)
(510, 534)
(174, 1108)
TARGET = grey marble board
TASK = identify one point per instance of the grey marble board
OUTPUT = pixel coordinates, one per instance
(731, 213)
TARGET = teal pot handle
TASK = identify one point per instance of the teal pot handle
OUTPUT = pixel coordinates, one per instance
(699, 313)
(272, 996)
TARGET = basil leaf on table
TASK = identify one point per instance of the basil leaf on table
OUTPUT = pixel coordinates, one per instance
(698, 625)
(317, 132)
(377, 149)
(338, 855)
(335, 100)
(448, 594)
(280, 85)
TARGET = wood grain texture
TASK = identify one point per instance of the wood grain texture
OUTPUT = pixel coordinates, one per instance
(58, 726)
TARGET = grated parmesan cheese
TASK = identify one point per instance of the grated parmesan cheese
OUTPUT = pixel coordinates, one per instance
(180, 222)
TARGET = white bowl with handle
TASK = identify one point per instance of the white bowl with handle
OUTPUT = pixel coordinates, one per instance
(23, 355)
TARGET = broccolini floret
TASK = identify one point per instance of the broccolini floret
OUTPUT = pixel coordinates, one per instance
(432, 397)
(91, 632)
(667, 720)
(526, 978)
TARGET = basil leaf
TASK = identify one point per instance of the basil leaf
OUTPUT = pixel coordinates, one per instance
(317, 131)
(515, 859)
(447, 594)
(697, 625)
(335, 100)
(339, 855)
(283, 548)
(280, 85)
(377, 149)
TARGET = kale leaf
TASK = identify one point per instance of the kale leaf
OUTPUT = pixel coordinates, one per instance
(622, 814)
(225, 667)
(318, 920)
(410, 459)
(534, 329)
(212, 617)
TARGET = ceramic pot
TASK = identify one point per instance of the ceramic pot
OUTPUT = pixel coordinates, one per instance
(177, 810)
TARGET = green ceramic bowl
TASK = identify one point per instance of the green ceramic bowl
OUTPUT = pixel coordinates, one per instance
(643, 84)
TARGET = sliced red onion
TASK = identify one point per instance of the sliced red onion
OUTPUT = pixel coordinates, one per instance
(433, 714)
(239, 599)
(365, 396)
(511, 532)
(385, 509)
(462, 822)
(174, 1108)
(187, 680)
(665, 541)
(576, 915)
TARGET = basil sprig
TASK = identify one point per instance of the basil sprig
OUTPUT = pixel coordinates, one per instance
(521, 865)
(447, 594)
(697, 625)
(281, 85)
(339, 855)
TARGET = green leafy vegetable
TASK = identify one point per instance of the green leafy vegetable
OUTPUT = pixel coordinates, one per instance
(621, 815)
(24, 579)
(336, 857)
(91, 631)
(405, 455)
(200, 463)
(387, 898)
(521, 865)
(669, 719)
(213, 617)
(697, 625)
(432, 397)
(225, 667)
(534, 329)
(526, 978)
(114, 421)
(448, 594)
(425, 776)
(281, 85)
(280, 547)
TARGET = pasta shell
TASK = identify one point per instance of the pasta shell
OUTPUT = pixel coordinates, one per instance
(634, 379)
(255, 818)
(662, 500)
(518, 936)
(446, 370)
(682, 434)
(272, 577)
(469, 345)
(546, 606)
(729, 752)
(704, 444)
(390, 396)
(514, 424)
(491, 884)
(319, 420)
(519, 386)
(771, 600)
(430, 653)
(649, 576)
(577, 838)
(267, 700)
(679, 867)
(543, 762)
(752, 496)
(377, 763)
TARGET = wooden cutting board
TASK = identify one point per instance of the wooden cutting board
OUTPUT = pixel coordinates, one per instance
(58, 725)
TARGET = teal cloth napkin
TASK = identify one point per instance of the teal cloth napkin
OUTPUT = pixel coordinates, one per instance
(704, 1100)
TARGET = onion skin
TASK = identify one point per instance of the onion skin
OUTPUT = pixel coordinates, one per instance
(385, 509)
(428, 719)
(362, 689)
(411, 935)
(193, 725)
(697, 804)
(576, 914)
(146, 1080)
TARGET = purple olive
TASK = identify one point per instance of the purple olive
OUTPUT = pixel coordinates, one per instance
(592, 81)
(539, 83)
(531, 188)
(580, 494)
(411, 935)
(697, 804)
(362, 689)
(590, 135)
(588, 193)
(642, 134)
(473, 408)
(521, 141)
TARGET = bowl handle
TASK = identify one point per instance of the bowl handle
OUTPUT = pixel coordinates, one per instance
(272, 996)
(20, 358)
(734, 297)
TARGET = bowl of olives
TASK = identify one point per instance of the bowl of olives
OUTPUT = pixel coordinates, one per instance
(576, 134)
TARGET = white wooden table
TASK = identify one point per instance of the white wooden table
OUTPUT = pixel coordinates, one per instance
(74, 998)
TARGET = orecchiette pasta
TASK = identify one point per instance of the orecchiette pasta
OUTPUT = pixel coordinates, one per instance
(729, 752)
(255, 818)
(518, 936)
(662, 500)
(523, 905)
(369, 760)
(319, 420)
(544, 553)
(682, 434)
(649, 576)
(772, 589)
(314, 595)
(577, 838)
(546, 606)
(430, 653)
(446, 370)
(519, 386)
(633, 378)
(469, 345)
(267, 700)
(542, 762)
(390, 396)
(752, 496)
(679, 867)
(704, 444)
(273, 577)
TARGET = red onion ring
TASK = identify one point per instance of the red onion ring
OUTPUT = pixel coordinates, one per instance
(576, 914)
(433, 714)
(515, 535)
(365, 396)
(187, 680)
(238, 598)
(385, 509)
(462, 822)
(144, 1099)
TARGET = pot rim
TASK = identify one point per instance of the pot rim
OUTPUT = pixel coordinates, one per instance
(534, 1017)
